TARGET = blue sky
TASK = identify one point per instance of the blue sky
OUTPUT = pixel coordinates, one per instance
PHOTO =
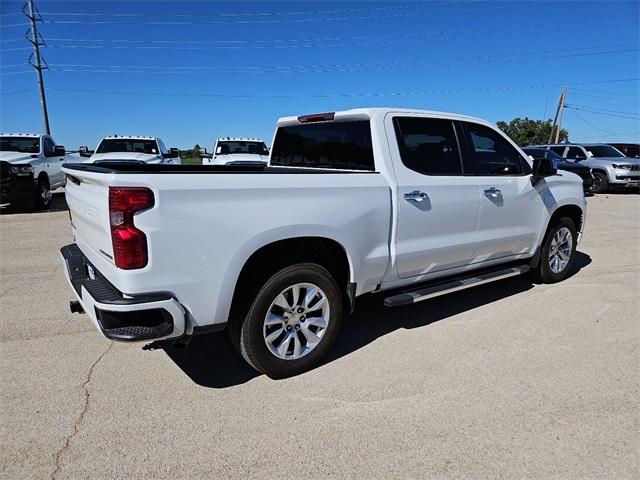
(193, 71)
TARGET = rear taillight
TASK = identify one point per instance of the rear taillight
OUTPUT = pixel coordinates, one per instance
(129, 243)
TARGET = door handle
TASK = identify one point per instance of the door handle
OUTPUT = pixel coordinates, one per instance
(492, 192)
(415, 196)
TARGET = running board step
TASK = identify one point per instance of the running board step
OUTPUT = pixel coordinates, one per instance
(461, 283)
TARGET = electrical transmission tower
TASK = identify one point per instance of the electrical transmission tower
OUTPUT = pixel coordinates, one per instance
(35, 59)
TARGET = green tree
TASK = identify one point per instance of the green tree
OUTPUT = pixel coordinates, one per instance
(525, 131)
(196, 151)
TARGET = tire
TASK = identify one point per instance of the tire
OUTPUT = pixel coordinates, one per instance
(281, 342)
(42, 195)
(550, 268)
(600, 182)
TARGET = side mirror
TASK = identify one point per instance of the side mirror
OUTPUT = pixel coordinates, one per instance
(173, 153)
(59, 150)
(204, 154)
(542, 167)
(84, 151)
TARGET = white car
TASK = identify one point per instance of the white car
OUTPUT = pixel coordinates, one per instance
(132, 148)
(33, 169)
(409, 204)
(236, 151)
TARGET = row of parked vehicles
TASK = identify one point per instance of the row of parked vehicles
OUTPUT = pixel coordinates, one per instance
(31, 164)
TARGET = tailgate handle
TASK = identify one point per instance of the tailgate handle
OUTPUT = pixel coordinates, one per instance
(73, 179)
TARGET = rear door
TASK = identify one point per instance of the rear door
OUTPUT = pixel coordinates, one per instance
(437, 207)
(510, 208)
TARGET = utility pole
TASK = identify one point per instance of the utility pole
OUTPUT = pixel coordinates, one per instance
(36, 41)
(557, 120)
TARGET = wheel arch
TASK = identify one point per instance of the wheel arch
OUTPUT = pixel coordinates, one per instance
(277, 254)
(572, 211)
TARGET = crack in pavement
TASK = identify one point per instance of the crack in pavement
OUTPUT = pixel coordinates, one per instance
(78, 422)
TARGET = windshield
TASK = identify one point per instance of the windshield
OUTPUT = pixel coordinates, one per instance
(20, 144)
(603, 151)
(120, 145)
(231, 147)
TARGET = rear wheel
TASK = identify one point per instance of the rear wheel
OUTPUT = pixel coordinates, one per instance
(557, 253)
(292, 321)
(600, 182)
(42, 200)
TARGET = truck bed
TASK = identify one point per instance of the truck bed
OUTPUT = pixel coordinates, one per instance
(146, 168)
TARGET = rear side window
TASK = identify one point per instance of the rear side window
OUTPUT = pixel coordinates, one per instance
(576, 153)
(558, 150)
(339, 145)
(492, 154)
(428, 145)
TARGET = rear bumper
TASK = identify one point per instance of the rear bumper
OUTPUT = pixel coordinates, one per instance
(126, 318)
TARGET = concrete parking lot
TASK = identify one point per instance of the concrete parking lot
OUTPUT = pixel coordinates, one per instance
(508, 380)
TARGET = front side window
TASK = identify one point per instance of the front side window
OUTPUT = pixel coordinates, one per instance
(558, 150)
(337, 145)
(163, 149)
(428, 145)
(492, 154)
(48, 145)
(121, 145)
(20, 144)
(576, 153)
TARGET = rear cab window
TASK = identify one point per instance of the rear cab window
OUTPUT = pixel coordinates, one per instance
(340, 145)
(428, 145)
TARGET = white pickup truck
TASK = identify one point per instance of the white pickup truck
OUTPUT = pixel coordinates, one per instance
(31, 168)
(129, 148)
(236, 151)
(407, 203)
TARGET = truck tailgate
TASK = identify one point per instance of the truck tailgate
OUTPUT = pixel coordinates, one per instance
(88, 198)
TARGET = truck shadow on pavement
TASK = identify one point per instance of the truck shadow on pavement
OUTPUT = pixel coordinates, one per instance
(211, 361)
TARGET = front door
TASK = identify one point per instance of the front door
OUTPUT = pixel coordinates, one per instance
(511, 209)
(437, 207)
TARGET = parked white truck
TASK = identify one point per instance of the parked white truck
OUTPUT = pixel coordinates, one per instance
(133, 149)
(236, 151)
(408, 203)
(31, 168)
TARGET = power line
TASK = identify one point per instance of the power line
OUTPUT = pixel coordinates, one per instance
(353, 95)
(601, 113)
(591, 124)
(40, 64)
(276, 20)
(612, 111)
(246, 14)
(123, 44)
(346, 67)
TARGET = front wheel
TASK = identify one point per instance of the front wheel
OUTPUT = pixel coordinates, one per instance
(42, 200)
(292, 321)
(557, 253)
(600, 182)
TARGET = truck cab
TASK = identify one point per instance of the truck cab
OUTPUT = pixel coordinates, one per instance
(34, 157)
(132, 148)
(236, 151)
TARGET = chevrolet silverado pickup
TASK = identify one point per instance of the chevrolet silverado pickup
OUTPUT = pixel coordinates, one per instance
(32, 167)
(408, 204)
